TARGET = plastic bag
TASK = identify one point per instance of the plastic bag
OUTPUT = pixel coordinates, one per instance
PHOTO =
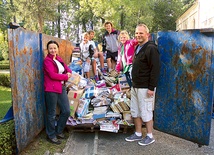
(74, 66)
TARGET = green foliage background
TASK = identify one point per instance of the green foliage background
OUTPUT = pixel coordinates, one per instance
(66, 18)
(7, 130)
(5, 80)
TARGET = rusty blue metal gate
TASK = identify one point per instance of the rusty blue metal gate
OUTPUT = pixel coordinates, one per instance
(185, 89)
(26, 53)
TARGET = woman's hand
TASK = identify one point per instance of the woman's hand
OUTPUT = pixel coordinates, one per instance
(69, 75)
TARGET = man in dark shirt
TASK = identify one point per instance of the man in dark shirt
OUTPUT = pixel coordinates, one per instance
(145, 73)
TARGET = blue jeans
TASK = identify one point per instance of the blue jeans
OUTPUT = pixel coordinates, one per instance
(128, 78)
(51, 100)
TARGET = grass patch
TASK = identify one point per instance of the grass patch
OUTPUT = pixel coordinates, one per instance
(5, 100)
(7, 130)
(38, 146)
(41, 146)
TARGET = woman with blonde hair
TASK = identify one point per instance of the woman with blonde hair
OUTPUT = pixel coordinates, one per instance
(125, 54)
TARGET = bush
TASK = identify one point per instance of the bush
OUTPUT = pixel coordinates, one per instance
(5, 62)
(5, 80)
(4, 66)
(1, 57)
(7, 138)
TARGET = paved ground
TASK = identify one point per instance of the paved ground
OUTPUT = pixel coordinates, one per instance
(106, 143)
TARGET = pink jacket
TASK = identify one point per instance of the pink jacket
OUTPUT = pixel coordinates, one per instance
(52, 79)
(129, 48)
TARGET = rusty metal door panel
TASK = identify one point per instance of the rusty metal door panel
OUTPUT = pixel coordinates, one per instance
(26, 53)
(185, 89)
(26, 78)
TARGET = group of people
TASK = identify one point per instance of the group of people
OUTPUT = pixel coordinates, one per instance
(90, 51)
(138, 59)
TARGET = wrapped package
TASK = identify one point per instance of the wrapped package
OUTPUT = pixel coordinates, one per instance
(100, 101)
(73, 80)
(90, 92)
(82, 109)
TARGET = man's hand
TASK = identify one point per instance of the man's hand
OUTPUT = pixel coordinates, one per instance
(150, 93)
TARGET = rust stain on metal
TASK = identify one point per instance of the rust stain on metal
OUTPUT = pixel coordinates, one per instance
(193, 60)
(65, 48)
(189, 91)
(184, 49)
(25, 50)
(175, 60)
(31, 51)
(199, 68)
(195, 67)
(17, 38)
(17, 51)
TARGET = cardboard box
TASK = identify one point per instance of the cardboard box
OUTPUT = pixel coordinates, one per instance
(73, 106)
(74, 79)
(74, 96)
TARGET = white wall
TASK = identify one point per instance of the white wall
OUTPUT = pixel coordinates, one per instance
(200, 15)
(206, 13)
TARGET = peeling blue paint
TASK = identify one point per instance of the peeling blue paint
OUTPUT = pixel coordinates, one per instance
(185, 89)
(26, 55)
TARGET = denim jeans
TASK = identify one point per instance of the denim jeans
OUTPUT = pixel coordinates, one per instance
(51, 100)
(128, 78)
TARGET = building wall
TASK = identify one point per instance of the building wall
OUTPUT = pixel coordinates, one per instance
(207, 13)
(199, 15)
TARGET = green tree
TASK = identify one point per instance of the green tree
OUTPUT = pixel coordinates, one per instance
(6, 15)
(3, 48)
(164, 14)
(187, 4)
(66, 18)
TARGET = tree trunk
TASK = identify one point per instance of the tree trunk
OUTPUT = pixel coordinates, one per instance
(40, 17)
(59, 20)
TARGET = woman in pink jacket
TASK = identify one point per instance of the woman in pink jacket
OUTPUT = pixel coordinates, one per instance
(125, 55)
(56, 72)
